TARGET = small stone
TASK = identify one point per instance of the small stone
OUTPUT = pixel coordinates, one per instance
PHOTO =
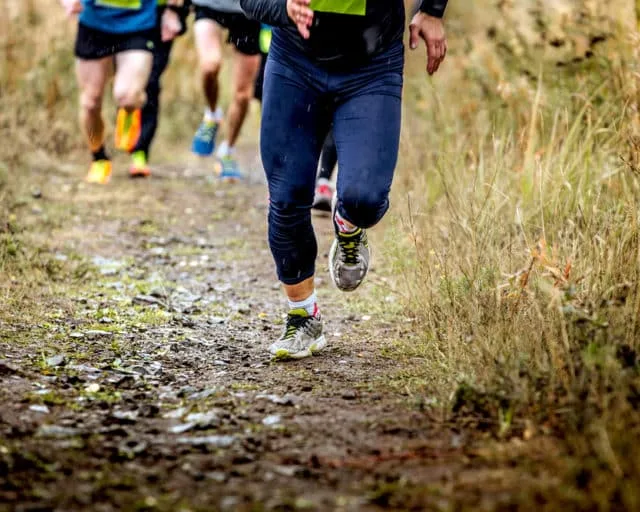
(216, 320)
(176, 413)
(131, 448)
(76, 335)
(219, 362)
(243, 309)
(272, 420)
(217, 476)
(204, 420)
(96, 333)
(279, 400)
(287, 471)
(148, 300)
(83, 368)
(216, 441)
(349, 395)
(36, 193)
(43, 409)
(57, 431)
(182, 428)
(57, 360)
(125, 417)
(92, 388)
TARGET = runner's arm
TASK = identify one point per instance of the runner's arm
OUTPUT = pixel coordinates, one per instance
(434, 8)
(271, 12)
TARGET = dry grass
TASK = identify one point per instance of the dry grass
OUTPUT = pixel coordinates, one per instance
(517, 253)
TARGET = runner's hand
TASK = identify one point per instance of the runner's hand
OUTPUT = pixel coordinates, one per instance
(72, 7)
(301, 15)
(171, 25)
(431, 30)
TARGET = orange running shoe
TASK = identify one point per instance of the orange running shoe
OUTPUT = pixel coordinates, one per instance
(99, 172)
(128, 128)
(139, 165)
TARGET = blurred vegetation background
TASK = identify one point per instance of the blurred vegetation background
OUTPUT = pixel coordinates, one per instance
(514, 236)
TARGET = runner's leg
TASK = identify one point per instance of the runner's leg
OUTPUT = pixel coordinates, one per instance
(244, 75)
(208, 39)
(367, 116)
(151, 109)
(329, 158)
(92, 76)
(292, 132)
(133, 68)
(324, 188)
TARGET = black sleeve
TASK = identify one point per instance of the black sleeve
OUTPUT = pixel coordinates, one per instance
(271, 12)
(434, 7)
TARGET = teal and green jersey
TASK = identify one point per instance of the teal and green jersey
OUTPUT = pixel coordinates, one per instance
(119, 16)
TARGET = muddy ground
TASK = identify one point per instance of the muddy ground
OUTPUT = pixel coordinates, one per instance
(134, 373)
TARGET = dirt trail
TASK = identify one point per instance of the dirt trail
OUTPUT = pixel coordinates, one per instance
(148, 387)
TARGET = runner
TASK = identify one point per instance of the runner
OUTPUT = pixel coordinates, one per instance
(323, 195)
(329, 156)
(244, 34)
(341, 65)
(121, 33)
(150, 111)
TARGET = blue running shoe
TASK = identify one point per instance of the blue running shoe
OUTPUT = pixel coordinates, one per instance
(229, 169)
(204, 140)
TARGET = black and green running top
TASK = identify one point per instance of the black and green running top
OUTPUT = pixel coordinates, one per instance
(343, 31)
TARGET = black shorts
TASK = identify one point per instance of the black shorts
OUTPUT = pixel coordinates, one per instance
(244, 33)
(92, 44)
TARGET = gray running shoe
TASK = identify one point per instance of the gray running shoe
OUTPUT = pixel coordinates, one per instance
(302, 336)
(349, 259)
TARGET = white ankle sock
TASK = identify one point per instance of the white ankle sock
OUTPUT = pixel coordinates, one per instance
(224, 150)
(310, 304)
(342, 224)
(211, 116)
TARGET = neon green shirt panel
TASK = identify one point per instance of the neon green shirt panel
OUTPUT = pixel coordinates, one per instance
(354, 7)
(120, 4)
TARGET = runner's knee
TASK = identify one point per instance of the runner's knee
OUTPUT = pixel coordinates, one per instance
(129, 96)
(90, 101)
(364, 208)
(243, 95)
(210, 66)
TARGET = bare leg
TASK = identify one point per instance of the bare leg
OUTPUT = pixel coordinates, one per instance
(209, 46)
(92, 76)
(244, 75)
(133, 68)
(301, 291)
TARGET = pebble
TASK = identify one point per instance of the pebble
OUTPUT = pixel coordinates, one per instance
(92, 388)
(39, 408)
(57, 431)
(176, 413)
(272, 420)
(57, 360)
(182, 428)
(217, 441)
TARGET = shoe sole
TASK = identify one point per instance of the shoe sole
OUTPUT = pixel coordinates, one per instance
(283, 355)
(139, 175)
(332, 253)
(322, 206)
